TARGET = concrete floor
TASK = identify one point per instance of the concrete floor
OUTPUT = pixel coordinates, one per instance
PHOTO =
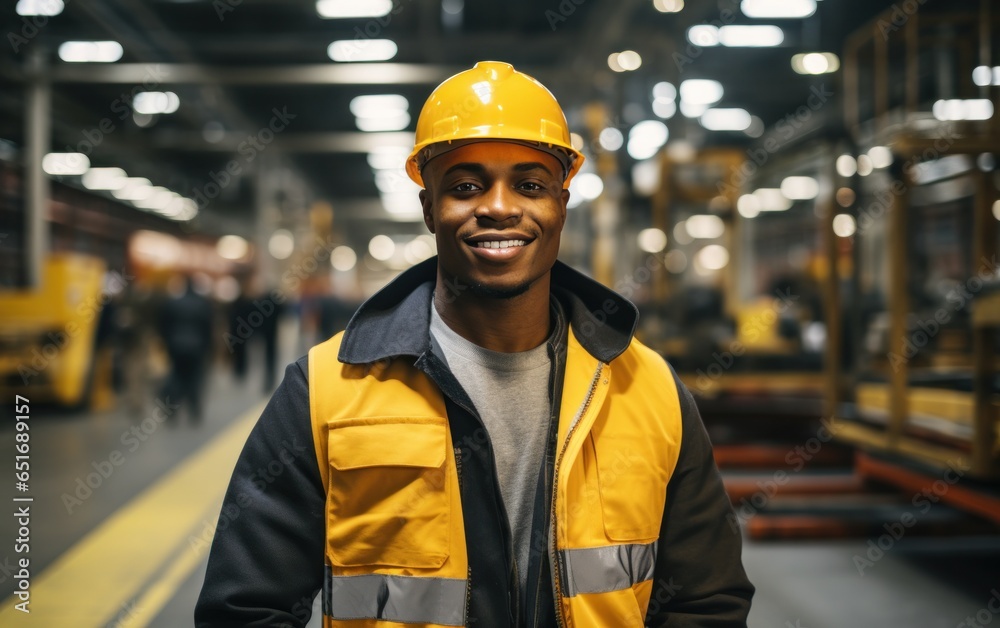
(919, 583)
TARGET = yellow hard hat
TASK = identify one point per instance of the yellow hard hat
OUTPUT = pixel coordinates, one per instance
(492, 101)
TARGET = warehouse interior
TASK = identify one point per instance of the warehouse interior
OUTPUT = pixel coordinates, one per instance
(801, 197)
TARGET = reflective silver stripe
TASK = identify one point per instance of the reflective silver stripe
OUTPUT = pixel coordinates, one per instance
(410, 599)
(603, 569)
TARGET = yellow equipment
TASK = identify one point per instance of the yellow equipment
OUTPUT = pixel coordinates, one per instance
(492, 101)
(47, 334)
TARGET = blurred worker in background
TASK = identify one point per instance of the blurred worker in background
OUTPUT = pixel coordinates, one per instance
(185, 324)
(486, 444)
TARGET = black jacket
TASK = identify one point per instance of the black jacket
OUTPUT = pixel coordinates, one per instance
(266, 562)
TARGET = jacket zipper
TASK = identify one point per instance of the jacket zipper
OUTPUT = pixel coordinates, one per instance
(553, 556)
(468, 578)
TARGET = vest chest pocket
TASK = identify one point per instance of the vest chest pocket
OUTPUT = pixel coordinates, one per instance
(388, 500)
(633, 486)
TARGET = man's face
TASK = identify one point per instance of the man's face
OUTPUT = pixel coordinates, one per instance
(497, 210)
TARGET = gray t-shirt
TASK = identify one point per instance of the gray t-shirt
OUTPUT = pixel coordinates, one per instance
(511, 393)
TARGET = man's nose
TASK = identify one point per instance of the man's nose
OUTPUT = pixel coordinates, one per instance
(499, 204)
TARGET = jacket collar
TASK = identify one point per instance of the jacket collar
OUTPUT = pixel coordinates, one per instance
(396, 320)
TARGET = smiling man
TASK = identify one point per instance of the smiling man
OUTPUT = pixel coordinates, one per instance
(486, 444)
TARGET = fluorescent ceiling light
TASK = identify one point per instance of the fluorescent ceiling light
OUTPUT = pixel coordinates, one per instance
(693, 110)
(379, 106)
(90, 51)
(652, 240)
(665, 109)
(844, 225)
(669, 6)
(704, 35)
(611, 139)
(881, 156)
(751, 36)
(815, 63)
(338, 9)
(135, 189)
(847, 165)
(104, 179)
(800, 188)
(588, 185)
(771, 200)
(664, 91)
(47, 8)
(701, 91)
(159, 199)
(343, 258)
(150, 103)
(646, 138)
(388, 157)
(726, 120)
(232, 247)
(65, 163)
(351, 50)
(787, 9)
(704, 226)
(955, 109)
(396, 122)
(625, 61)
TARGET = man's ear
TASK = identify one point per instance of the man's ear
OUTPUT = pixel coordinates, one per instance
(425, 204)
(564, 197)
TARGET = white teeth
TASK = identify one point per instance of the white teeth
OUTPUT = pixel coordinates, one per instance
(500, 244)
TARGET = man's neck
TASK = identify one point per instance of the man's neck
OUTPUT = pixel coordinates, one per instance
(507, 325)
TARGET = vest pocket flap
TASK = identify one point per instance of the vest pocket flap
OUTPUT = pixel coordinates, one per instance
(399, 443)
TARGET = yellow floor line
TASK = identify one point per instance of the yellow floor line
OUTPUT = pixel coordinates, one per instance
(93, 582)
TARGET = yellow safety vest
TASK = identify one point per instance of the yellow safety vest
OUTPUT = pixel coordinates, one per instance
(395, 535)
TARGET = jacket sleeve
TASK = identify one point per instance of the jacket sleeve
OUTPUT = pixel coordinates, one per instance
(266, 561)
(699, 580)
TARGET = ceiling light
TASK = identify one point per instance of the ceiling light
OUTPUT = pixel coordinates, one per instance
(232, 247)
(281, 244)
(665, 109)
(104, 179)
(737, 35)
(151, 103)
(996, 209)
(381, 247)
(668, 6)
(652, 240)
(726, 120)
(388, 157)
(712, 257)
(158, 199)
(844, 225)
(339, 9)
(90, 51)
(704, 226)
(956, 109)
(783, 9)
(588, 185)
(865, 165)
(646, 177)
(629, 60)
(47, 8)
(379, 106)
(397, 122)
(701, 91)
(771, 200)
(343, 258)
(748, 206)
(135, 189)
(881, 156)
(65, 163)
(664, 91)
(360, 49)
(693, 110)
(646, 138)
(846, 165)
(611, 139)
(404, 204)
(704, 35)
(815, 63)
(800, 188)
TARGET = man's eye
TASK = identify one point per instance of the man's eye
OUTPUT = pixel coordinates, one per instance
(531, 186)
(466, 187)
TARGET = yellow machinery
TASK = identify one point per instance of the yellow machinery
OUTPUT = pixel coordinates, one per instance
(47, 334)
(928, 391)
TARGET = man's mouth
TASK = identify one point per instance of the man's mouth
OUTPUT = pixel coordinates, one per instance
(499, 244)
